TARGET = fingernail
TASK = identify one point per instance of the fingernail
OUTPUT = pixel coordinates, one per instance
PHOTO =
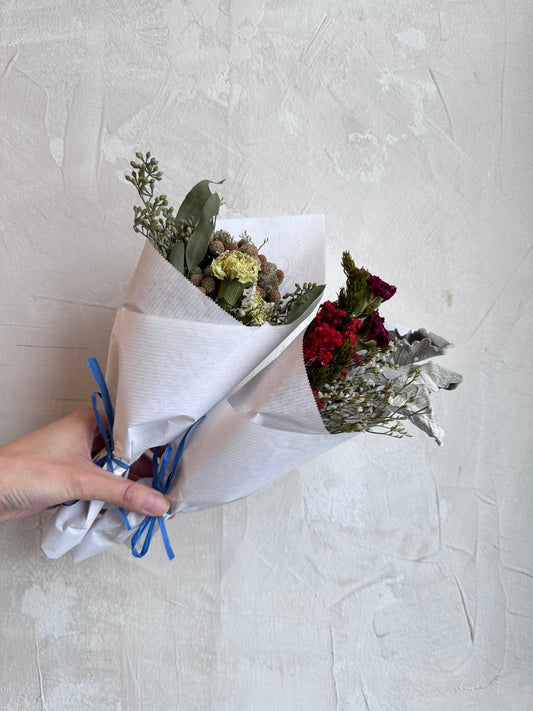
(156, 504)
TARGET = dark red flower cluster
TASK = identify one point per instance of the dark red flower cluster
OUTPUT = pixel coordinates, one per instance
(329, 330)
(329, 313)
(379, 288)
(320, 344)
(375, 330)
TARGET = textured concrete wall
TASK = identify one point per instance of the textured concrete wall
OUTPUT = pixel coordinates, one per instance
(386, 575)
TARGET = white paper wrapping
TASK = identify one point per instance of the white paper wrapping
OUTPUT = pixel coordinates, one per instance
(69, 524)
(108, 530)
(267, 428)
(174, 353)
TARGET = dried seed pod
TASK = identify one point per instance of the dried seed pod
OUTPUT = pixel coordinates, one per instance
(273, 297)
(268, 268)
(196, 279)
(209, 285)
(248, 248)
(216, 247)
(223, 237)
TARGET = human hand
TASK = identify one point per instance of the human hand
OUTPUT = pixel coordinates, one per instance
(53, 465)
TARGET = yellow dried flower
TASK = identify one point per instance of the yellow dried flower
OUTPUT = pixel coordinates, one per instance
(235, 266)
(258, 312)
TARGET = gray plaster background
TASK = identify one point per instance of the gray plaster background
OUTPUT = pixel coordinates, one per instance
(386, 575)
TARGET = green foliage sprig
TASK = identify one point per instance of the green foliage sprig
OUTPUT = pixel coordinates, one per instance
(353, 298)
(295, 303)
(155, 219)
(187, 239)
(183, 238)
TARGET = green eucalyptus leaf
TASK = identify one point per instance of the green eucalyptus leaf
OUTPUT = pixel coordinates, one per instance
(304, 302)
(194, 202)
(199, 240)
(177, 256)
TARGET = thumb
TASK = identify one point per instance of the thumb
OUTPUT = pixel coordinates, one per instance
(101, 485)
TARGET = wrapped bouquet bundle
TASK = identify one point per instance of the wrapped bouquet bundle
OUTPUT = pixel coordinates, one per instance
(204, 308)
(346, 374)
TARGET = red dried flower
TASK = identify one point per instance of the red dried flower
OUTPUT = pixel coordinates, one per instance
(379, 288)
(375, 330)
(329, 330)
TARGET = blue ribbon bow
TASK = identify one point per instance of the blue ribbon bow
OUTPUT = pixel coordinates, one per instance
(161, 482)
(108, 460)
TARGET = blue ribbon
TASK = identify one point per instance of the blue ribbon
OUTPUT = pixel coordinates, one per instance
(161, 482)
(108, 460)
(108, 457)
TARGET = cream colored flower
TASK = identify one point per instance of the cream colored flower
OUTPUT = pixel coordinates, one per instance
(235, 265)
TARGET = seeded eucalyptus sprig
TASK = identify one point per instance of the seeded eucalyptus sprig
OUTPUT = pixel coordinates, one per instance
(181, 238)
(155, 219)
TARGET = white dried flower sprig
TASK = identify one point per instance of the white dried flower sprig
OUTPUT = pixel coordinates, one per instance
(375, 397)
(390, 388)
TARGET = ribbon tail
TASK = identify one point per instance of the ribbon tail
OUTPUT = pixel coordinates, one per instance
(124, 518)
(148, 526)
(164, 536)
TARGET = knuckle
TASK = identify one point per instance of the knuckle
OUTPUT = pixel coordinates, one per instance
(130, 495)
(82, 483)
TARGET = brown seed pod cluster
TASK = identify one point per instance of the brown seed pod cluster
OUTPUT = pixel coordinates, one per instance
(269, 279)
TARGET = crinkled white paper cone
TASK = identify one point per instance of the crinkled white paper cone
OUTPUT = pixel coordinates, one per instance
(106, 532)
(174, 353)
(109, 530)
(172, 372)
(269, 427)
(295, 243)
(69, 524)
